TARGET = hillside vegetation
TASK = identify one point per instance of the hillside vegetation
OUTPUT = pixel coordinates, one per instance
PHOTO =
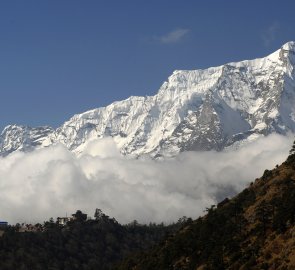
(90, 245)
(254, 230)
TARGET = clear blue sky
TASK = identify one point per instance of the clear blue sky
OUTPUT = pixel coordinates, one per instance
(61, 57)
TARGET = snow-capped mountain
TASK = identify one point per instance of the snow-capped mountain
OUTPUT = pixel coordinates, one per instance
(205, 109)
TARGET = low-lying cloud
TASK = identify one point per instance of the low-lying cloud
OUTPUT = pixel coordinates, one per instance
(51, 182)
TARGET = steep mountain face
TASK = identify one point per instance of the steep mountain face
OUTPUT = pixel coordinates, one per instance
(254, 230)
(193, 110)
(23, 138)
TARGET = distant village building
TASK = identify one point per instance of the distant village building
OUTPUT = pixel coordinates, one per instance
(3, 225)
(29, 228)
(64, 220)
(79, 215)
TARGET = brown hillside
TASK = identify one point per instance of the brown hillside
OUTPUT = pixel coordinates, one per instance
(254, 230)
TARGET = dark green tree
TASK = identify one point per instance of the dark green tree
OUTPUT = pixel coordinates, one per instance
(80, 216)
(98, 214)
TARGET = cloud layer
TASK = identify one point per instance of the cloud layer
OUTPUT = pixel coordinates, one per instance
(173, 36)
(52, 182)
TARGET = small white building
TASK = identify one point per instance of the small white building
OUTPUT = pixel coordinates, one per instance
(64, 220)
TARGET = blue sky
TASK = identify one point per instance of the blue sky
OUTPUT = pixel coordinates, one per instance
(61, 57)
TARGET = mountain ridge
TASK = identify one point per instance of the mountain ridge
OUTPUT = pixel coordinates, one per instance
(204, 109)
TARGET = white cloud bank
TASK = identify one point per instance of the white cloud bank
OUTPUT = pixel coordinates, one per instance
(52, 182)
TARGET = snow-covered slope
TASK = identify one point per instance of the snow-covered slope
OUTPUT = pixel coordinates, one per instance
(23, 138)
(193, 110)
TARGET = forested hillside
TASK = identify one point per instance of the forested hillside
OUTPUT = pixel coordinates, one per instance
(254, 230)
(92, 244)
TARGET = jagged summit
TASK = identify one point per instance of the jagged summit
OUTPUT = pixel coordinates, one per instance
(205, 109)
(289, 46)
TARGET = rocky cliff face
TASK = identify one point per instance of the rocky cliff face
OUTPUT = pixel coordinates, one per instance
(207, 109)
